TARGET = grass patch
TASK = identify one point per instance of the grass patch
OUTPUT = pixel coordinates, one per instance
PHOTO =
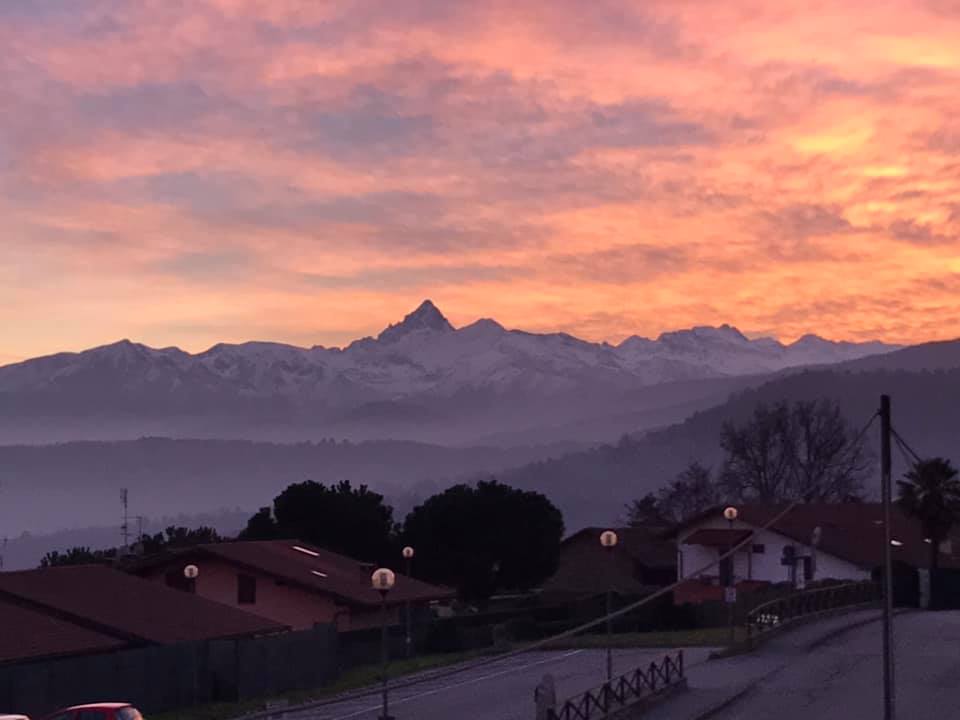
(369, 675)
(360, 677)
(704, 637)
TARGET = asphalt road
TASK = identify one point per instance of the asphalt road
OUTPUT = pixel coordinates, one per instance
(499, 691)
(842, 679)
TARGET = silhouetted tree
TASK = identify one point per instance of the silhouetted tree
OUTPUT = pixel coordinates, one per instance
(805, 451)
(931, 493)
(482, 538)
(759, 455)
(645, 513)
(178, 537)
(78, 556)
(172, 537)
(829, 464)
(691, 492)
(261, 526)
(341, 518)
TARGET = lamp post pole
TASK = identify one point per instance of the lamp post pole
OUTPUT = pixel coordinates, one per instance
(608, 540)
(408, 554)
(191, 573)
(383, 580)
(731, 514)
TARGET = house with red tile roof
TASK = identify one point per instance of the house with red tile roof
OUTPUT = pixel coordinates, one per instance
(813, 542)
(288, 581)
(78, 610)
(29, 634)
(642, 561)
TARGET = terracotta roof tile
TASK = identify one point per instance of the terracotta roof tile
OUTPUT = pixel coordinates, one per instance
(850, 531)
(27, 634)
(112, 602)
(311, 567)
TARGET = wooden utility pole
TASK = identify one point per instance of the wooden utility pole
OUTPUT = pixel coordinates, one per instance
(889, 709)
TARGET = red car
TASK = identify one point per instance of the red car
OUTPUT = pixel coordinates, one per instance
(98, 711)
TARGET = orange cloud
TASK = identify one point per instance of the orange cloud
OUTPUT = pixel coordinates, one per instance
(305, 171)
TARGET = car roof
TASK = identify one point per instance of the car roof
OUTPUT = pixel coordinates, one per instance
(100, 706)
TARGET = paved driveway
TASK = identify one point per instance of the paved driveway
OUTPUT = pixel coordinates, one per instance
(831, 671)
(843, 679)
(498, 691)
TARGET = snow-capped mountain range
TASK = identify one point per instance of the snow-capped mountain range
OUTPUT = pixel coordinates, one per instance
(410, 369)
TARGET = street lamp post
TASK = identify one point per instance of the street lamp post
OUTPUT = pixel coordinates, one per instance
(608, 539)
(731, 514)
(191, 573)
(408, 554)
(383, 580)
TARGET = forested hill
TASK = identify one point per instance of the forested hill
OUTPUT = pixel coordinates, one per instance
(592, 486)
(77, 485)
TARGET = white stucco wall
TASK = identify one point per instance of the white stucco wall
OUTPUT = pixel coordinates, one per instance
(760, 566)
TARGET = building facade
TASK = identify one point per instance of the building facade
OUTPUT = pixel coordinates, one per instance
(810, 543)
(290, 582)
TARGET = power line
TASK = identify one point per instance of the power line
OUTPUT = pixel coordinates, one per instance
(866, 428)
(905, 445)
(903, 451)
(541, 644)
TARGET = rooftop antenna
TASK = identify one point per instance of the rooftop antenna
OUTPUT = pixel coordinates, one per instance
(125, 527)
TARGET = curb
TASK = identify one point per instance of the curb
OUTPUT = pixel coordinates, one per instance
(853, 626)
(736, 697)
(823, 640)
(396, 683)
(758, 641)
(641, 706)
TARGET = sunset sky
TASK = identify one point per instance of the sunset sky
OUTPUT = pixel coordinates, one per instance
(189, 172)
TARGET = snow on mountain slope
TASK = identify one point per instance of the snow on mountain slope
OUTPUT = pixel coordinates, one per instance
(425, 354)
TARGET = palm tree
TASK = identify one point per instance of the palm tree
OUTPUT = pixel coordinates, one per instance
(931, 493)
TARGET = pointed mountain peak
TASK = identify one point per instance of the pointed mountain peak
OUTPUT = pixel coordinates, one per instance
(425, 317)
(705, 332)
(811, 339)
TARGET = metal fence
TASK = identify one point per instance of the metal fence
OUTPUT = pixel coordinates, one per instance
(623, 691)
(778, 613)
(170, 677)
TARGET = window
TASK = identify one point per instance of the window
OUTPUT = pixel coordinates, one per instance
(246, 590)
(759, 549)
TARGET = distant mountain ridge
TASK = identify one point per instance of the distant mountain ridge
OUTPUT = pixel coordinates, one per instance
(420, 370)
(592, 486)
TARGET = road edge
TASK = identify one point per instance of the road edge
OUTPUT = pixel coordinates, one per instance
(812, 645)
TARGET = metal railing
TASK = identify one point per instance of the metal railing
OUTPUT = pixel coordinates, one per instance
(622, 691)
(807, 603)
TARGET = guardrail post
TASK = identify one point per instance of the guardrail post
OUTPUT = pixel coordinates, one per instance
(680, 662)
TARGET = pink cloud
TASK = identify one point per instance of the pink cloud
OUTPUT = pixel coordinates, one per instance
(769, 165)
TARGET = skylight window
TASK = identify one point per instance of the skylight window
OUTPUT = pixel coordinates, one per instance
(305, 551)
(319, 574)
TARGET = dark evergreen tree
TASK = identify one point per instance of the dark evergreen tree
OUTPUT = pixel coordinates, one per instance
(484, 538)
